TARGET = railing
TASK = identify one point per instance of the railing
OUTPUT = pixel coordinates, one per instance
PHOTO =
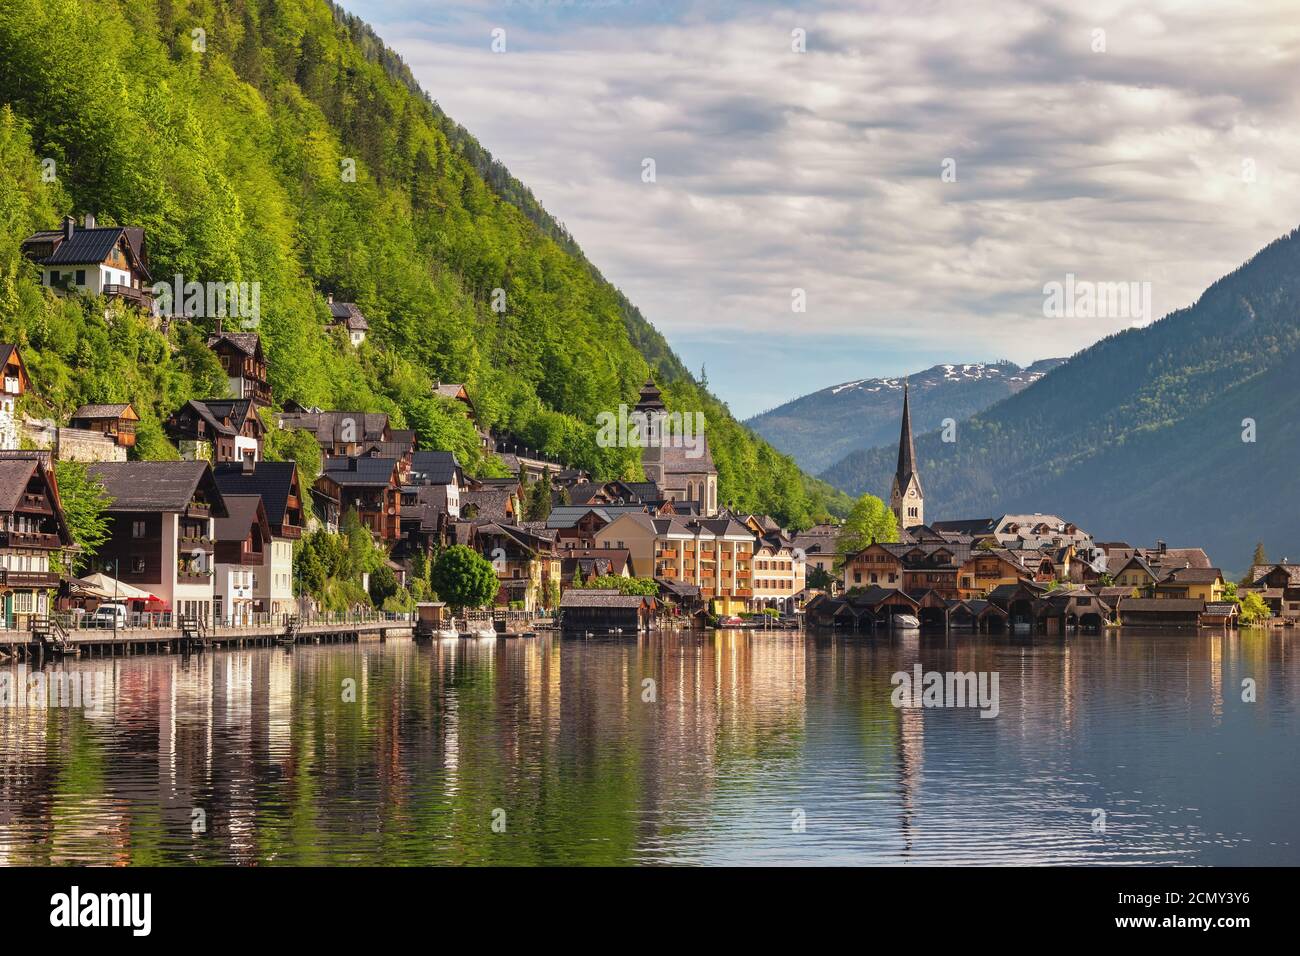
(138, 296)
(253, 621)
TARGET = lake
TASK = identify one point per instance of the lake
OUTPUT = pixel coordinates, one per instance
(688, 748)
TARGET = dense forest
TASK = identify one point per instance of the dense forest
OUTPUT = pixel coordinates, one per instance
(281, 143)
(1186, 430)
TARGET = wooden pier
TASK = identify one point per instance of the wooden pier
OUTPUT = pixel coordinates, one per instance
(189, 637)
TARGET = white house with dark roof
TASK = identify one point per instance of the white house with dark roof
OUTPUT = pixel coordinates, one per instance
(97, 260)
(349, 317)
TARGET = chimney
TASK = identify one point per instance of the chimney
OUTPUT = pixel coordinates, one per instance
(69, 226)
(250, 463)
(329, 299)
(352, 464)
(1160, 546)
(88, 221)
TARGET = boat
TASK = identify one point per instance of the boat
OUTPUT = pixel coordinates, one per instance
(906, 622)
(446, 634)
(483, 632)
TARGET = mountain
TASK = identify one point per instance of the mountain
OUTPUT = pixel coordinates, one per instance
(283, 144)
(1145, 435)
(823, 427)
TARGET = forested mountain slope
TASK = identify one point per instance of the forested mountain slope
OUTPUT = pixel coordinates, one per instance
(225, 127)
(1141, 435)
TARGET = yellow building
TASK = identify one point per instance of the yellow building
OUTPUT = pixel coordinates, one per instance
(778, 574)
(1199, 584)
(985, 570)
(714, 554)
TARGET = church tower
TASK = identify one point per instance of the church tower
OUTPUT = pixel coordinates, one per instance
(906, 497)
(651, 405)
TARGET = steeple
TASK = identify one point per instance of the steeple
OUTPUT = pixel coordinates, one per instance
(906, 498)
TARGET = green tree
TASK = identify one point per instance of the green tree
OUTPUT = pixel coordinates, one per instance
(616, 582)
(819, 578)
(869, 521)
(464, 578)
(85, 503)
(1253, 609)
(383, 585)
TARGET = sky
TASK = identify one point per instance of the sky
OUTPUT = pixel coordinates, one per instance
(916, 177)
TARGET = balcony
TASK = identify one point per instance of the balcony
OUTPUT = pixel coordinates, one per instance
(198, 509)
(29, 539)
(28, 579)
(137, 297)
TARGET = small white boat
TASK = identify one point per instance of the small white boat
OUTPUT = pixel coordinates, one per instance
(484, 633)
(446, 634)
(906, 622)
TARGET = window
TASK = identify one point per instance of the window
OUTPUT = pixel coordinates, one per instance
(81, 277)
(137, 529)
(137, 565)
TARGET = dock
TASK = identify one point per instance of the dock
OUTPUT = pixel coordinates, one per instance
(40, 644)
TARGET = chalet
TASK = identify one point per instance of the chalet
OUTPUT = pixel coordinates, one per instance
(986, 569)
(278, 485)
(874, 566)
(583, 609)
(240, 355)
(526, 562)
(372, 487)
(13, 385)
(347, 316)
(455, 392)
(1278, 585)
(932, 567)
(1201, 584)
(1132, 571)
(217, 430)
(576, 526)
(339, 432)
(161, 530)
(491, 503)
(97, 260)
(589, 563)
(32, 530)
(243, 539)
(442, 474)
(117, 422)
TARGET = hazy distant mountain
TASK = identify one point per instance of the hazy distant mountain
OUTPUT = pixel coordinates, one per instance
(821, 428)
(1146, 434)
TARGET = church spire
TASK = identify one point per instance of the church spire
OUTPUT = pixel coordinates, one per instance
(906, 447)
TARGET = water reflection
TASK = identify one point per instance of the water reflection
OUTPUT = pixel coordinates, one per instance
(679, 748)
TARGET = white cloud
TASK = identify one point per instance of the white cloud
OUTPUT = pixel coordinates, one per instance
(822, 170)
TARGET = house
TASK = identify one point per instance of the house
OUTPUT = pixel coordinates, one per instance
(589, 563)
(223, 429)
(13, 385)
(778, 574)
(117, 422)
(347, 316)
(97, 260)
(986, 569)
(339, 432)
(240, 355)
(498, 503)
(161, 530)
(371, 486)
(820, 548)
(602, 610)
(243, 539)
(278, 484)
(576, 526)
(714, 554)
(526, 563)
(1130, 571)
(442, 474)
(876, 565)
(1201, 584)
(1160, 612)
(32, 531)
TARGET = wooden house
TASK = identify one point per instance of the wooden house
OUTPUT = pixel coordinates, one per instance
(277, 484)
(245, 365)
(32, 530)
(348, 317)
(13, 385)
(372, 487)
(217, 430)
(161, 530)
(117, 422)
(97, 260)
(242, 542)
(582, 609)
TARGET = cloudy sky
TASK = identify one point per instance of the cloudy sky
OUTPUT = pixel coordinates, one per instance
(1153, 143)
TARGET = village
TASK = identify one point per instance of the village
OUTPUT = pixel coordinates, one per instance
(215, 537)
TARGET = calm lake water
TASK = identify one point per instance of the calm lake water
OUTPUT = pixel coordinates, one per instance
(759, 748)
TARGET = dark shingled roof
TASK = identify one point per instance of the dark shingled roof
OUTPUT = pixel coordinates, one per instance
(101, 411)
(350, 315)
(581, 597)
(434, 468)
(366, 471)
(246, 342)
(241, 515)
(272, 480)
(1170, 605)
(157, 486)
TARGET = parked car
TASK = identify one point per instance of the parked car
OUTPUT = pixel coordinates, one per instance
(108, 615)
